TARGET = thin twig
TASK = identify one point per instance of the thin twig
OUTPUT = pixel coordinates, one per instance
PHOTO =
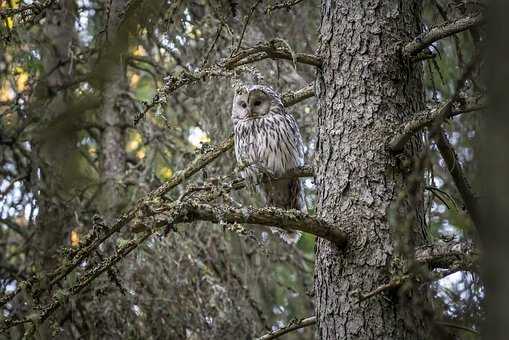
(454, 325)
(292, 326)
(244, 27)
(460, 180)
(286, 4)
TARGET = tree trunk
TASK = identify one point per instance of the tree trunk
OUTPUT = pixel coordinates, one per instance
(54, 144)
(494, 169)
(114, 111)
(365, 89)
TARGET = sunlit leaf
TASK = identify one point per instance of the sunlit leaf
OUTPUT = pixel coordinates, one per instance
(141, 153)
(139, 51)
(6, 92)
(75, 238)
(165, 173)
(21, 79)
(197, 137)
(134, 142)
(135, 79)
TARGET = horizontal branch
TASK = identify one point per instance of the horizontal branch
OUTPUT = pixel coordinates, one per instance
(290, 220)
(445, 255)
(271, 50)
(440, 32)
(293, 97)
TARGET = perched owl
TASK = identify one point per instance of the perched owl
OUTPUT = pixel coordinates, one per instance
(268, 141)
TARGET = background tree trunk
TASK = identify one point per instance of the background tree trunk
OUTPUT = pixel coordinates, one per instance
(55, 144)
(365, 88)
(495, 167)
(114, 111)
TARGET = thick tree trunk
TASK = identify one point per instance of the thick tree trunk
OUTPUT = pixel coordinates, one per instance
(365, 89)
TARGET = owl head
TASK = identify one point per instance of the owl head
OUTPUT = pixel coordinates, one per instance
(255, 101)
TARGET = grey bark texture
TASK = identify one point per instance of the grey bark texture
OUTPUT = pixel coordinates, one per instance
(365, 90)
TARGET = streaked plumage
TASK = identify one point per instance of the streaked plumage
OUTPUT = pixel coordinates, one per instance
(268, 141)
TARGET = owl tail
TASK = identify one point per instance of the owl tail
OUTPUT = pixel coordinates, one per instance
(290, 237)
(287, 194)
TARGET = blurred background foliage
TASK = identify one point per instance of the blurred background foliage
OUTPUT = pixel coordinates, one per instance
(58, 71)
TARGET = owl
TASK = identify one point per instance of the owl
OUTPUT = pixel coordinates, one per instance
(268, 142)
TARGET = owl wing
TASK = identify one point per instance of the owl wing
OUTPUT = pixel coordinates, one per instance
(288, 193)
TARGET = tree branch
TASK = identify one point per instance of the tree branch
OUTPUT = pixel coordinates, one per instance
(97, 238)
(293, 97)
(460, 180)
(271, 216)
(422, 120)
(440, 32)
(445, 255)
(292, 326)
(271, 50)
(286, 4)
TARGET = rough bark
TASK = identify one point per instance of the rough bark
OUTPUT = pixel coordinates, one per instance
(365, 89)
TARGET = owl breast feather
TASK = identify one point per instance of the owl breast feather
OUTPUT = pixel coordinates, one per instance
(270, 144)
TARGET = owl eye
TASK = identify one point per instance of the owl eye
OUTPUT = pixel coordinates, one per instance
(243, 104)
(257, 103)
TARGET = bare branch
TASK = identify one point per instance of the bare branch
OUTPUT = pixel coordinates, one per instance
(445, 255)
(424, 119)
(293, 97)
(394, 283)
(271, 216)
(292, 326)
(270, 50)
(460, 327)
(246, 22)
(440, 32)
